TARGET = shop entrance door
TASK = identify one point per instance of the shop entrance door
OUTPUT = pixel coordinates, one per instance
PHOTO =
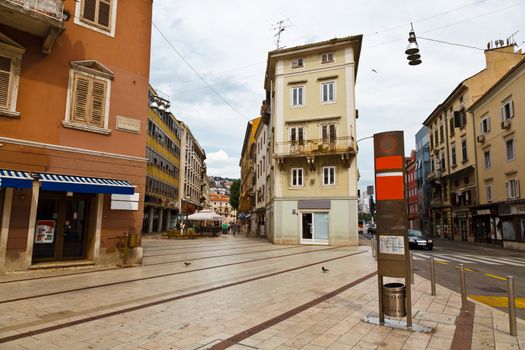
(61, 228)
(314, 228)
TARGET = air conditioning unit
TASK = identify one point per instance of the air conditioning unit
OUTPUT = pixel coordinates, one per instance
(505, 124)
(481, 138)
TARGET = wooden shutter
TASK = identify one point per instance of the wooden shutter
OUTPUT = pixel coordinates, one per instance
(332, 133)
(89, 10)
(5, 77)
(80, 98)
(98, 103)
(300, 135)
(104, 7)
(324, 132)
(293, 136)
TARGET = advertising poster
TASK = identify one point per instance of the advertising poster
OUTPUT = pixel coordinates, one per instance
(45, 231)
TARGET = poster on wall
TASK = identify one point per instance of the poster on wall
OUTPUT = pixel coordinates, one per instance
(45, 231)
(392, 245)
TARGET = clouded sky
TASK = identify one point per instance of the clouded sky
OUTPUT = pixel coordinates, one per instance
(226, 42)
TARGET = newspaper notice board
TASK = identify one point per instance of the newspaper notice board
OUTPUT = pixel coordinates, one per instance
(45, 231)
(392, 244)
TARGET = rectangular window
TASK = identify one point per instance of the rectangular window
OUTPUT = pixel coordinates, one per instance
(5, 79)
(431, 140)
(441, 134)
(328, 175)
(328, 92)
(488, 189)
(443, 161)
(484, 125)
(512, 188)
(507, 110)
(327, 57)
(510, 149)
(297, 96)
(328, 133)
(436, 136)
(298, 63)
(297, 135)
(486, 156)
(97, 12)
(464, 150)
(297, 177)
(88, 104)
(453, 151)
(451, 126)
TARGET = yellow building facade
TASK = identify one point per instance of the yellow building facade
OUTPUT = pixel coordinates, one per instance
(499, 125)
(312, 192)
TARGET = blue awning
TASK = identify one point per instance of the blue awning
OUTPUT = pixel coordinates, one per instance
(16, 179)
(82, 184)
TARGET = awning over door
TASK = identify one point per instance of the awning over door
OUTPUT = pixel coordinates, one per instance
(16, 179)
(82, 184)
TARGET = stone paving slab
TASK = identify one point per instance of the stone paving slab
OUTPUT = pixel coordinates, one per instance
(206, 320)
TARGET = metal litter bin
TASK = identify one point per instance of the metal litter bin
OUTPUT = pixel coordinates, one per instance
(394, 296)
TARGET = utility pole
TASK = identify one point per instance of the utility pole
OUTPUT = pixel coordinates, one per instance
(279, 27)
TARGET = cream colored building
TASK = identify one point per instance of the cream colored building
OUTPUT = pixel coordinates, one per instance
(452, 149)
(262, 180)
(499, 125)
(312, 197)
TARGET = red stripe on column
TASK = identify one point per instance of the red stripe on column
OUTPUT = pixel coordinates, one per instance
(389, 188)
(389, 162)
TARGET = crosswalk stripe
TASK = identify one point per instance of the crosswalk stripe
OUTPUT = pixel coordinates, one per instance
(517, 260)
(499, 260)
(454, 258)
(482, 260)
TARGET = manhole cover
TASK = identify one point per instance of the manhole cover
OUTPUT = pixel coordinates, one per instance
(492, 289)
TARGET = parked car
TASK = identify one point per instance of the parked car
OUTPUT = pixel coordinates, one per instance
(371, 229)
(417, 239)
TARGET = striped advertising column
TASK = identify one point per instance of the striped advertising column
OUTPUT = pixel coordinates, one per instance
(391, 217)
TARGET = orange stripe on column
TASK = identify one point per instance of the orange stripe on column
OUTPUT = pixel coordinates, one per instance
(389, 188)
(389, 162)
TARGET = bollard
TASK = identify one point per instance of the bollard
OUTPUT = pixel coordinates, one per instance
(432, 277)
(463, 287)
(411, 268)
(374, 248)
(512, 306)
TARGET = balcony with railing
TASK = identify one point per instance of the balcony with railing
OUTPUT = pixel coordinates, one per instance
(312, 148)
(43, 18)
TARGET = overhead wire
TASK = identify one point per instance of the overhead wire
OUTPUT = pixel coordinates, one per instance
(198, 74)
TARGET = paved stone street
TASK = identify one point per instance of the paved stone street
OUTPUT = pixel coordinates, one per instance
(237, 292)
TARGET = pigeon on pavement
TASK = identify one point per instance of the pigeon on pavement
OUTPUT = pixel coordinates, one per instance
(324, 269)
(187, 263)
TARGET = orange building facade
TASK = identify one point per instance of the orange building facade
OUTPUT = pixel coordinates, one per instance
(73, 128)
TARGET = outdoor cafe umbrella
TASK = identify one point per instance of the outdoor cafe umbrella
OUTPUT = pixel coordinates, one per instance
(205, 215)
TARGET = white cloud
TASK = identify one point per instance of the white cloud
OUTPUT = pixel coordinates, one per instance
(227, 43)
(221, 164)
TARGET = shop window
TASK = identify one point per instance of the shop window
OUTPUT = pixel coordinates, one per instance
(508, 230)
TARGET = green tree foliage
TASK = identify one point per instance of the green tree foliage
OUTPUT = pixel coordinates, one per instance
(234, 194)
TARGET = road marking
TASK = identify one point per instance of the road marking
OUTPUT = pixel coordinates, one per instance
(513, 261)
(496, 301)
(486, 260)
(469, 270)
(496, 277)
(426, 257)
(455, 259)
(481, 260)
(441, 262)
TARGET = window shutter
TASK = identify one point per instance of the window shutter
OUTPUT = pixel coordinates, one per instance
(293, 137)
(98, 103)
(511, 108)
(300, 135)
(503, 113)
(5, 75)
(457, 120)
(89, 10)
(332, 133)
(324, 132)
(507, 189)
(80, 99)
(517, 188)
(103, 13)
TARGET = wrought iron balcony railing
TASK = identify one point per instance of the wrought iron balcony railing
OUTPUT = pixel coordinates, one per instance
(50, 8)
(312, 147)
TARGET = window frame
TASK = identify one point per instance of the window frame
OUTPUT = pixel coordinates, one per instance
(505, 103)
(453, 155)
(487, 161)
(328, 83)
(329, 138)
(512, 191)
(83, 22)
(294, 64)
(68, 121)
(489, 192)
(513, 141)
(464, 150)
(332, 177)
(326, 54)
(292, 97)
(484, 125)
(13, 51)
(301, 177)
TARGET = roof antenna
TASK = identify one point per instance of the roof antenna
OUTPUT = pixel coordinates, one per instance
(279, 27)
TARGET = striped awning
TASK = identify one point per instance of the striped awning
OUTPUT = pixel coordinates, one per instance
(16, 179)
(82, 184)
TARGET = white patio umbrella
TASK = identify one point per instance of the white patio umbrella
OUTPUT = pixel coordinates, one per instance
(205, 215)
